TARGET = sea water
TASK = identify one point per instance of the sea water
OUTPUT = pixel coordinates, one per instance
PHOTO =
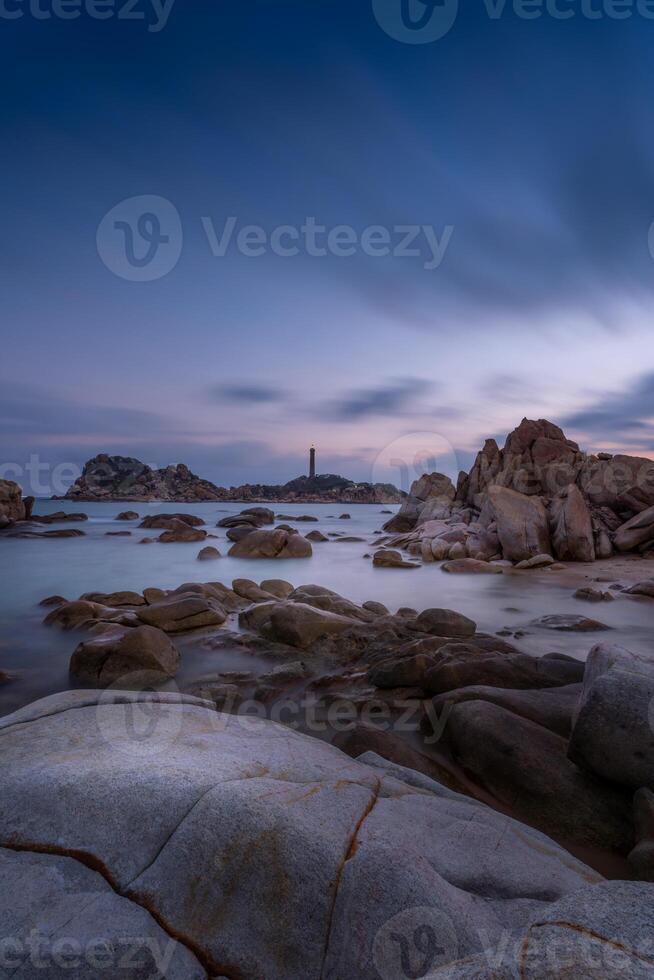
(34, 568)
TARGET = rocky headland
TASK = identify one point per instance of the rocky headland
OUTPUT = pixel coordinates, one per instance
(123, 478)
(537, 500)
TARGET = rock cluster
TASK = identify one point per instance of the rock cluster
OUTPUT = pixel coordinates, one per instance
(539, 495)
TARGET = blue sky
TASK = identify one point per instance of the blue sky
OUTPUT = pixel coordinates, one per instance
(530, 140)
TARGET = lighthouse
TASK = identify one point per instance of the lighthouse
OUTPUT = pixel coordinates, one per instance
(312, 462)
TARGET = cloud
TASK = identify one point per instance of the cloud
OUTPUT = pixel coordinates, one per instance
(245, 391)
(631, 410)
(394, 398)
(34, 413)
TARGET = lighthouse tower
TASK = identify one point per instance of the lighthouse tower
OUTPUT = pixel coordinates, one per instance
(312, 462)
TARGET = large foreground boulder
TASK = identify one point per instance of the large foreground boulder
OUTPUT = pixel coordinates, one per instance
(265, 853)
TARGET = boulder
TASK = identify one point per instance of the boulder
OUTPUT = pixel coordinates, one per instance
(589, 594)
(179, 531)
(69, 532)
(127, 515)
(463, 665)
(387, 558)
(271, 544)
(551, 707)
(226, 598)
(301, 518)
(641, 588)
(440, 549)
(613, 734)
(376, 608)
(619, 482)
(249, 590)
(316, 536)
(525, 767)
(144, 653)
(445, 622)
(323, 598)
(522, 525)
(538, 561)
(171, 521)
(12, 506)
(277, 587)
(152, 595)
(569, 624)
(211, 822)
(470, 566)
(125, 598)
(78, 614)
(179, 613)
(208, 554)
(641, 858)
(241, 531)
(239, 520)
(636, 532)
(299, 625)
(59, 517)
(262, 515)
(571, 527)
(402, 672)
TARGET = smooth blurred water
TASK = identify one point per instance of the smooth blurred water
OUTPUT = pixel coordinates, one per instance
(35, 568)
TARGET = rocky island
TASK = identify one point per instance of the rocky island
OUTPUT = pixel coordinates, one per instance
(124, 478)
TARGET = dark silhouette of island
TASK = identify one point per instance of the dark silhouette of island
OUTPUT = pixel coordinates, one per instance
(123, 478)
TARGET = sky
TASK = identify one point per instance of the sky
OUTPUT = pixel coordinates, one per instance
(231, 228)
